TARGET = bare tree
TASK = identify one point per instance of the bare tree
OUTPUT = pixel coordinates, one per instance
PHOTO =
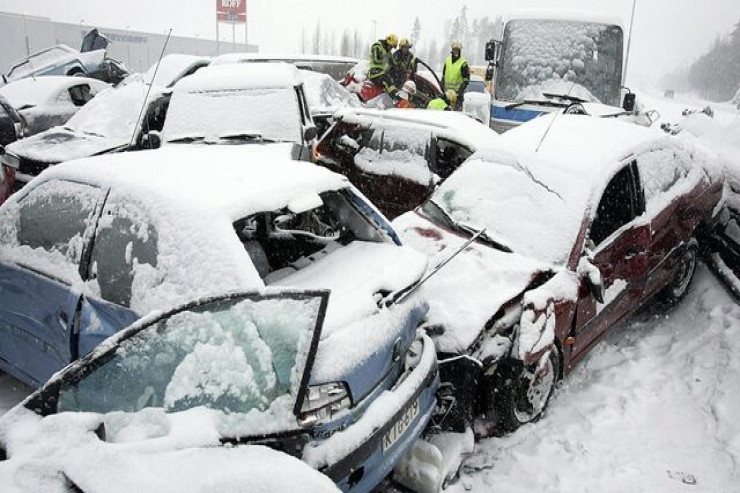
(317, 39)
(344, 45)
(416, 31)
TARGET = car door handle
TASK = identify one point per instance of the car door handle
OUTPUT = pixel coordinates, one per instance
(64, 320)
(634, 251)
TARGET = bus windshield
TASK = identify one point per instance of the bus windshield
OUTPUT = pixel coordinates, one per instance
(543, 59)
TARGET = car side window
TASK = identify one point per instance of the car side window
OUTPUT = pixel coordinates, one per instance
(616, 207)
(661, 170)
(125, 241)
(449, 156)
(80, 94)
(399, 152)
(55, 215)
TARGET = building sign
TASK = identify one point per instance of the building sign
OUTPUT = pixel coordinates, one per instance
(231, 10)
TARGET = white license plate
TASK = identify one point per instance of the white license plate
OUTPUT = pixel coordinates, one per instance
(400, 426)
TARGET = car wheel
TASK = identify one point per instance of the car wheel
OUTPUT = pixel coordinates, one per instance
(679, 286)
(520, 395)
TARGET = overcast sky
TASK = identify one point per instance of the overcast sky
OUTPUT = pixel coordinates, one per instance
(667, 33)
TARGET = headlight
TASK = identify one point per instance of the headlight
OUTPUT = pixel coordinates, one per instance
(323, 402)
(10, 161)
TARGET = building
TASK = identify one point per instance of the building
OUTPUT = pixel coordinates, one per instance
(22, 35)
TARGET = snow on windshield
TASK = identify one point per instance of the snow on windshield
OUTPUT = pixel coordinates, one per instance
(242, 356)
(271, 113)
(581, 59)
(326, 94)
(398, 152)
(113, 113)
(523, 213)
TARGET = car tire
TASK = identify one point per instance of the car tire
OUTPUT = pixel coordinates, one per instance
(679, 285)
(516, 398)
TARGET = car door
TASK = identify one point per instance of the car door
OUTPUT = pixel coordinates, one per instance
(619, 240)
(40, 279)
(661, 171)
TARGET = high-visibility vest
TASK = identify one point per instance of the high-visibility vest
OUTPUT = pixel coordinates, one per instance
(378, 63)
(453, 73)
(437, 104)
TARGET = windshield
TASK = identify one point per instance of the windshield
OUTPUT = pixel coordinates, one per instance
(43, 59)
(550, 57)
(234, 355)
(270, 114)
(113, 113)
(518, 213)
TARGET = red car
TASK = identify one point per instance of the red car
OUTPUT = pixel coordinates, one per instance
(568, 242)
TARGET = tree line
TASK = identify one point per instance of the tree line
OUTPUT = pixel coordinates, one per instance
(473, 34)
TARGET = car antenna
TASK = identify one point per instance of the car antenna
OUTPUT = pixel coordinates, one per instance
(629, 43)
(552, 121)
(146, 98)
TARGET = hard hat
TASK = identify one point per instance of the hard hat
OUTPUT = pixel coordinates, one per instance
(457, 45)
(410, 87)
(392, 40)
(452, 97)
(405, 42)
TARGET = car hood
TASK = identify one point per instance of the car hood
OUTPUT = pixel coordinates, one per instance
(168, 460)
(59, 144)
(467, 292)
(358, 338)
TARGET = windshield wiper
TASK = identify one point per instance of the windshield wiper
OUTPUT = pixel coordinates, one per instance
(87, 132)
(567, 97)
(543, 102)
(471, 230)
(185, 140)
(247, 137)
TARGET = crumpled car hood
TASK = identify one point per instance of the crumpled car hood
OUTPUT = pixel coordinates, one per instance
(468, 291)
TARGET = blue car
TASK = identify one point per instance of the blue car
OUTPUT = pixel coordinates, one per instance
(92, 246)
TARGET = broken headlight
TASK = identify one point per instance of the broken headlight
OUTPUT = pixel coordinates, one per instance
(323, 402)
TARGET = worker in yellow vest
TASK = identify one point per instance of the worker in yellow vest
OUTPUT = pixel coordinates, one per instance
(456, 74)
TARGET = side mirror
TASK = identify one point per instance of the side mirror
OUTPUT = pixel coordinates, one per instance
(492, 48)
(489, 72)
(629, 102)
(652, 115)
(151, 140)
(596, 285)
(310, 133)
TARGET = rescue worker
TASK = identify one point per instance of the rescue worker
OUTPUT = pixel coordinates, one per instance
(441, 104)
(404, 62)
(406, 94)
(381, 63)
(456, 74)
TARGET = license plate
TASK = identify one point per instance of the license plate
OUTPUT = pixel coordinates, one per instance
(400, 426)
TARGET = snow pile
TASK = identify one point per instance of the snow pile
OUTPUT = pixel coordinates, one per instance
(45, 452)
(571, 54)
(326, 95)
(652, 408)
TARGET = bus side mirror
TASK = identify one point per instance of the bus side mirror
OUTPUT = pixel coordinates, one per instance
(629, 102)
(492, 50)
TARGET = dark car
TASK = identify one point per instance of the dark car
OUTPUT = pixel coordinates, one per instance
(396, 157)
(12, 127)
(568, 242)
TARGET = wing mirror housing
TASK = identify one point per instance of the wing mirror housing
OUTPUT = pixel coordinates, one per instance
(629, 101)
(151, 140)
(310, 133)
(591, 274)
(493, 47)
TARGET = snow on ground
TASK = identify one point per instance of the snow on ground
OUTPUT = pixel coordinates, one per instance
(654, 408)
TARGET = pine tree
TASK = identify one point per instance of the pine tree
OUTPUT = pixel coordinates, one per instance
(416, 31)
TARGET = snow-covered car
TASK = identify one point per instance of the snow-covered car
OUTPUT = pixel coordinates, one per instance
(568, 242)
(90, 61)
(92, 245)
(334, 66)
(242, 103)
(325, 97)
(638, 115)
(109, 123)
(396, 157)
(50, 101)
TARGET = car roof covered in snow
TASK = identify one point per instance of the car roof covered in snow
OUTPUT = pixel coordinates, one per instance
(37, 91)
(231, 179)
(240, 76)
(449, 124)
(173, 67)
(260, 57)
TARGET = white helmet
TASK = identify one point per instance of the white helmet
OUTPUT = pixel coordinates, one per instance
(410, 87)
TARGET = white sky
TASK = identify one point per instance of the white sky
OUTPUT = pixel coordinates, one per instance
(667, 33)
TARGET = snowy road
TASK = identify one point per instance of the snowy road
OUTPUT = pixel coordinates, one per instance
(654, 408)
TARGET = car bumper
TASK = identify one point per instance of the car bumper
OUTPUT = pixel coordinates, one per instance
(361, 456)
